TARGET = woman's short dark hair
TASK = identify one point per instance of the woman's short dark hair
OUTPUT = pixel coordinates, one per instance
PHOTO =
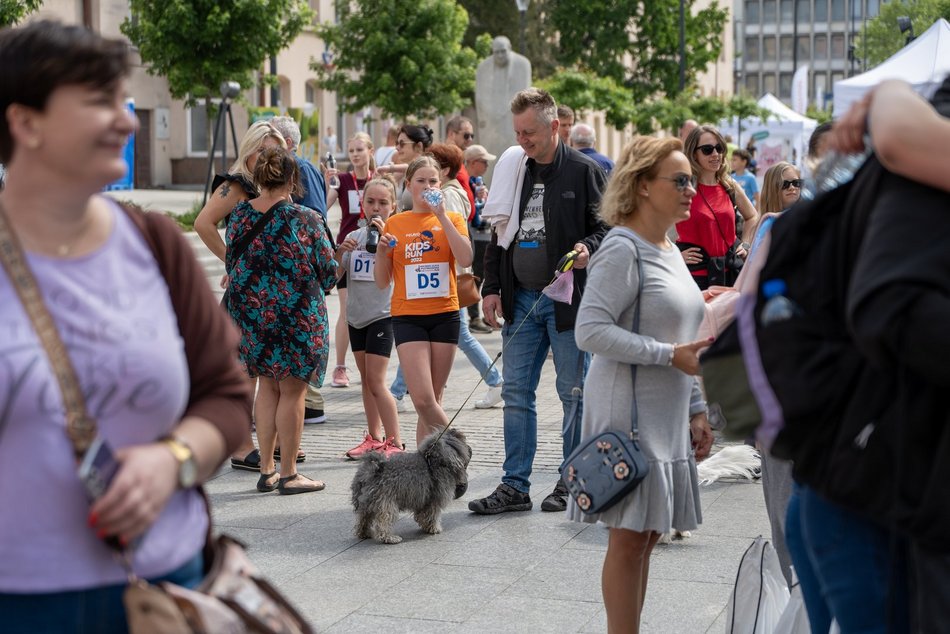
(275, 168)
(418, 134)
(41, 56)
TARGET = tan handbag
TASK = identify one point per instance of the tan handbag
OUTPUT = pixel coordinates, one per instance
(467, 285)
(233, 597)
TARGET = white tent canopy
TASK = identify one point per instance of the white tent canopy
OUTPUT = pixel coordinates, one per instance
(783, 136)
(923, 64)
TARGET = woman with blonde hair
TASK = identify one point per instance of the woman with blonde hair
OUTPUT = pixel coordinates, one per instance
(350, 196)
(781, 188)
(649, 191)
(708, 239)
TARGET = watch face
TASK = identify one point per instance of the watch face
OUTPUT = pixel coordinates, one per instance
(187, 473)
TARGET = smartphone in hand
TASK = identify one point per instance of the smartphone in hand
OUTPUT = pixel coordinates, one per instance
(96, 471)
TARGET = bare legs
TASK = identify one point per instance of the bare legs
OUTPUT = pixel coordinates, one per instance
(426, 367)
(279, 411)
(381, 415)
(624, 578)
(341, 332)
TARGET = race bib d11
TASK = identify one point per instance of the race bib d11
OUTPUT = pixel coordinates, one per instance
(427, 280)
(361, 266)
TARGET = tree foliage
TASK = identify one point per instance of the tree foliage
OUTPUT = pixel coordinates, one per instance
(12, 11)
(197, 44)
(584, 91)
(406, 58)
(501, 17)
(669, 114)
(882, 36)
(637, 43)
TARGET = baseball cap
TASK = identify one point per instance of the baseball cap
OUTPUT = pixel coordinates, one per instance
(474, 152)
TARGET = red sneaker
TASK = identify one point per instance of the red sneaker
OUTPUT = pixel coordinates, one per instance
(369, 444)
(390, 448)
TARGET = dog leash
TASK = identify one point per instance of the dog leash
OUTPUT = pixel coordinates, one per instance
(565, 264)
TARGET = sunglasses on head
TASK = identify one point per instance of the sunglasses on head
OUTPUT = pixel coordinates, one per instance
(708, 149)
(795, 182)
(468, 136)
(681, 181)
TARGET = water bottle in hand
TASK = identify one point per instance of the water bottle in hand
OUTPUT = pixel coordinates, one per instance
(433, 197)
(331, 163)
(372, 235)
(778, 308)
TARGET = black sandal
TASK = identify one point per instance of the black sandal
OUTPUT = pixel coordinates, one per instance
(264, 486)
(250, 462)
(301, 456)
(314, 485)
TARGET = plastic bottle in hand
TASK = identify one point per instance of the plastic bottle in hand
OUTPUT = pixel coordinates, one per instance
(778, 308)
(331, 163)
(372, 235)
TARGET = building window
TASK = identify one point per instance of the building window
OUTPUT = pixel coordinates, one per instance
(198, 141)
(787, 10)
(751, 53)
(874, 8)
(804, 48)
(821, 47)
(785, 48)
(785, 86)
(821, 10)
(837, 46)
(804, 11)
(768, 83)
(768, 11)
(310, 92)
(752, 84)
(768, 48)
(752, 11)
(821, 87)
(837, 10)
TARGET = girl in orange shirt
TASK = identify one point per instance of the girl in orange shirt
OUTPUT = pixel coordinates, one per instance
(417, 254)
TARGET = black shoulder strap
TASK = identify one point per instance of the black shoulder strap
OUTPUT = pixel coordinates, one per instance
(240, 246)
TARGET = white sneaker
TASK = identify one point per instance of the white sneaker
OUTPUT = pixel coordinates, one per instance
(492, 397)
(403, 406)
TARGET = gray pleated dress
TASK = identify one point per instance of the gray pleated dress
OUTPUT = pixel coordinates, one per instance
(671, 313)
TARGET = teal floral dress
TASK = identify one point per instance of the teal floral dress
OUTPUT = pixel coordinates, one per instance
(276, 293)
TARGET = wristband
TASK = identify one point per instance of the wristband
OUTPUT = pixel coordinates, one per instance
(669, 361)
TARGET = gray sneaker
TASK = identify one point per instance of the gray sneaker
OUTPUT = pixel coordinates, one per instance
(502, 500)
(557, 500)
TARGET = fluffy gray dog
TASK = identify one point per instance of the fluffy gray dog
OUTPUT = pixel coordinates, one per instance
(422, 481)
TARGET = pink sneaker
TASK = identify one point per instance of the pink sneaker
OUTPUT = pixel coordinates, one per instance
(390, 448)
(369, 444)
(340, 378)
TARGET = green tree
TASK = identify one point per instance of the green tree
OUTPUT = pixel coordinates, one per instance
(12, 11)
(586, 91)
(501, 17)
(669, 114)
(406, 58)
(883, 38)
(198, 44)
(599, 35)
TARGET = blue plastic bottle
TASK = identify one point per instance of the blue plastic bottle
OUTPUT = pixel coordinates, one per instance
(777, 307)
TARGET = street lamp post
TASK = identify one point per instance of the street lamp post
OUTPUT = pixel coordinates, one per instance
(682, 45)
(523, 11)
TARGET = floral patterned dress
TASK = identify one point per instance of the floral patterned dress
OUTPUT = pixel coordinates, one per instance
(276, 293)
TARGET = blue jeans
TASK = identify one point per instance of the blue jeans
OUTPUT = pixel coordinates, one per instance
(82, 611)
(861, 582)
(819, 616)
(524, 356)
(476, 354)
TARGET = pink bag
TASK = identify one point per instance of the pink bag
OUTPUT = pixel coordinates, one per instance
(562, 288)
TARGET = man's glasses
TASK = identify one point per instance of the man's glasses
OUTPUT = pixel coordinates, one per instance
(681, 181)
(709, 149)
(468, 136)
(795, 182)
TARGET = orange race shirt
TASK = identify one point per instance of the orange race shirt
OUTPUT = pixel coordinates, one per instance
(423, 264)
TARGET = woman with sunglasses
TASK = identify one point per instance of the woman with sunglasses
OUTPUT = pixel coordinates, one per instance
(411, 143)
(708, 239)
(781, 188)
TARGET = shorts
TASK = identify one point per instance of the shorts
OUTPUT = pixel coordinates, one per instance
(376, 338)
(341, 283)
(438, 328)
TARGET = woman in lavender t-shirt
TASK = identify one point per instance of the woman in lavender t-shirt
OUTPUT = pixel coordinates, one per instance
(170, 410)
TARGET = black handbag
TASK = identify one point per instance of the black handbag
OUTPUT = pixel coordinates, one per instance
(604, 469)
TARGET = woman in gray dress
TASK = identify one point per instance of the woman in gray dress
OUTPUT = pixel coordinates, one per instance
(649, 191)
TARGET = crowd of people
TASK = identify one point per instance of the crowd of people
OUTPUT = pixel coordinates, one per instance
(644, 236)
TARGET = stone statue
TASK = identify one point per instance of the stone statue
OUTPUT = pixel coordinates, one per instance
(497, 80)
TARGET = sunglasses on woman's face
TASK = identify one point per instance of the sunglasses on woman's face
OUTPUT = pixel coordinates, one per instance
(681, 181)
(709, 149)
(795, 182)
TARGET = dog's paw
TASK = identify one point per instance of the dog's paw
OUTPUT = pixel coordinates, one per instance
(665, 538)
(433, 530)
(389, 539)
(668, 538)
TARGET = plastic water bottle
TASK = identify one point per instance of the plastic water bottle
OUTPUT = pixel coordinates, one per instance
(777, 307)
(372, 235)
(331, 163)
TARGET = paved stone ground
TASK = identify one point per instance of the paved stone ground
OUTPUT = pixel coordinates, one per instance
(522, 572)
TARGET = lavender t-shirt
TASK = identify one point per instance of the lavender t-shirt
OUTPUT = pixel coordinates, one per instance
(113, 311)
